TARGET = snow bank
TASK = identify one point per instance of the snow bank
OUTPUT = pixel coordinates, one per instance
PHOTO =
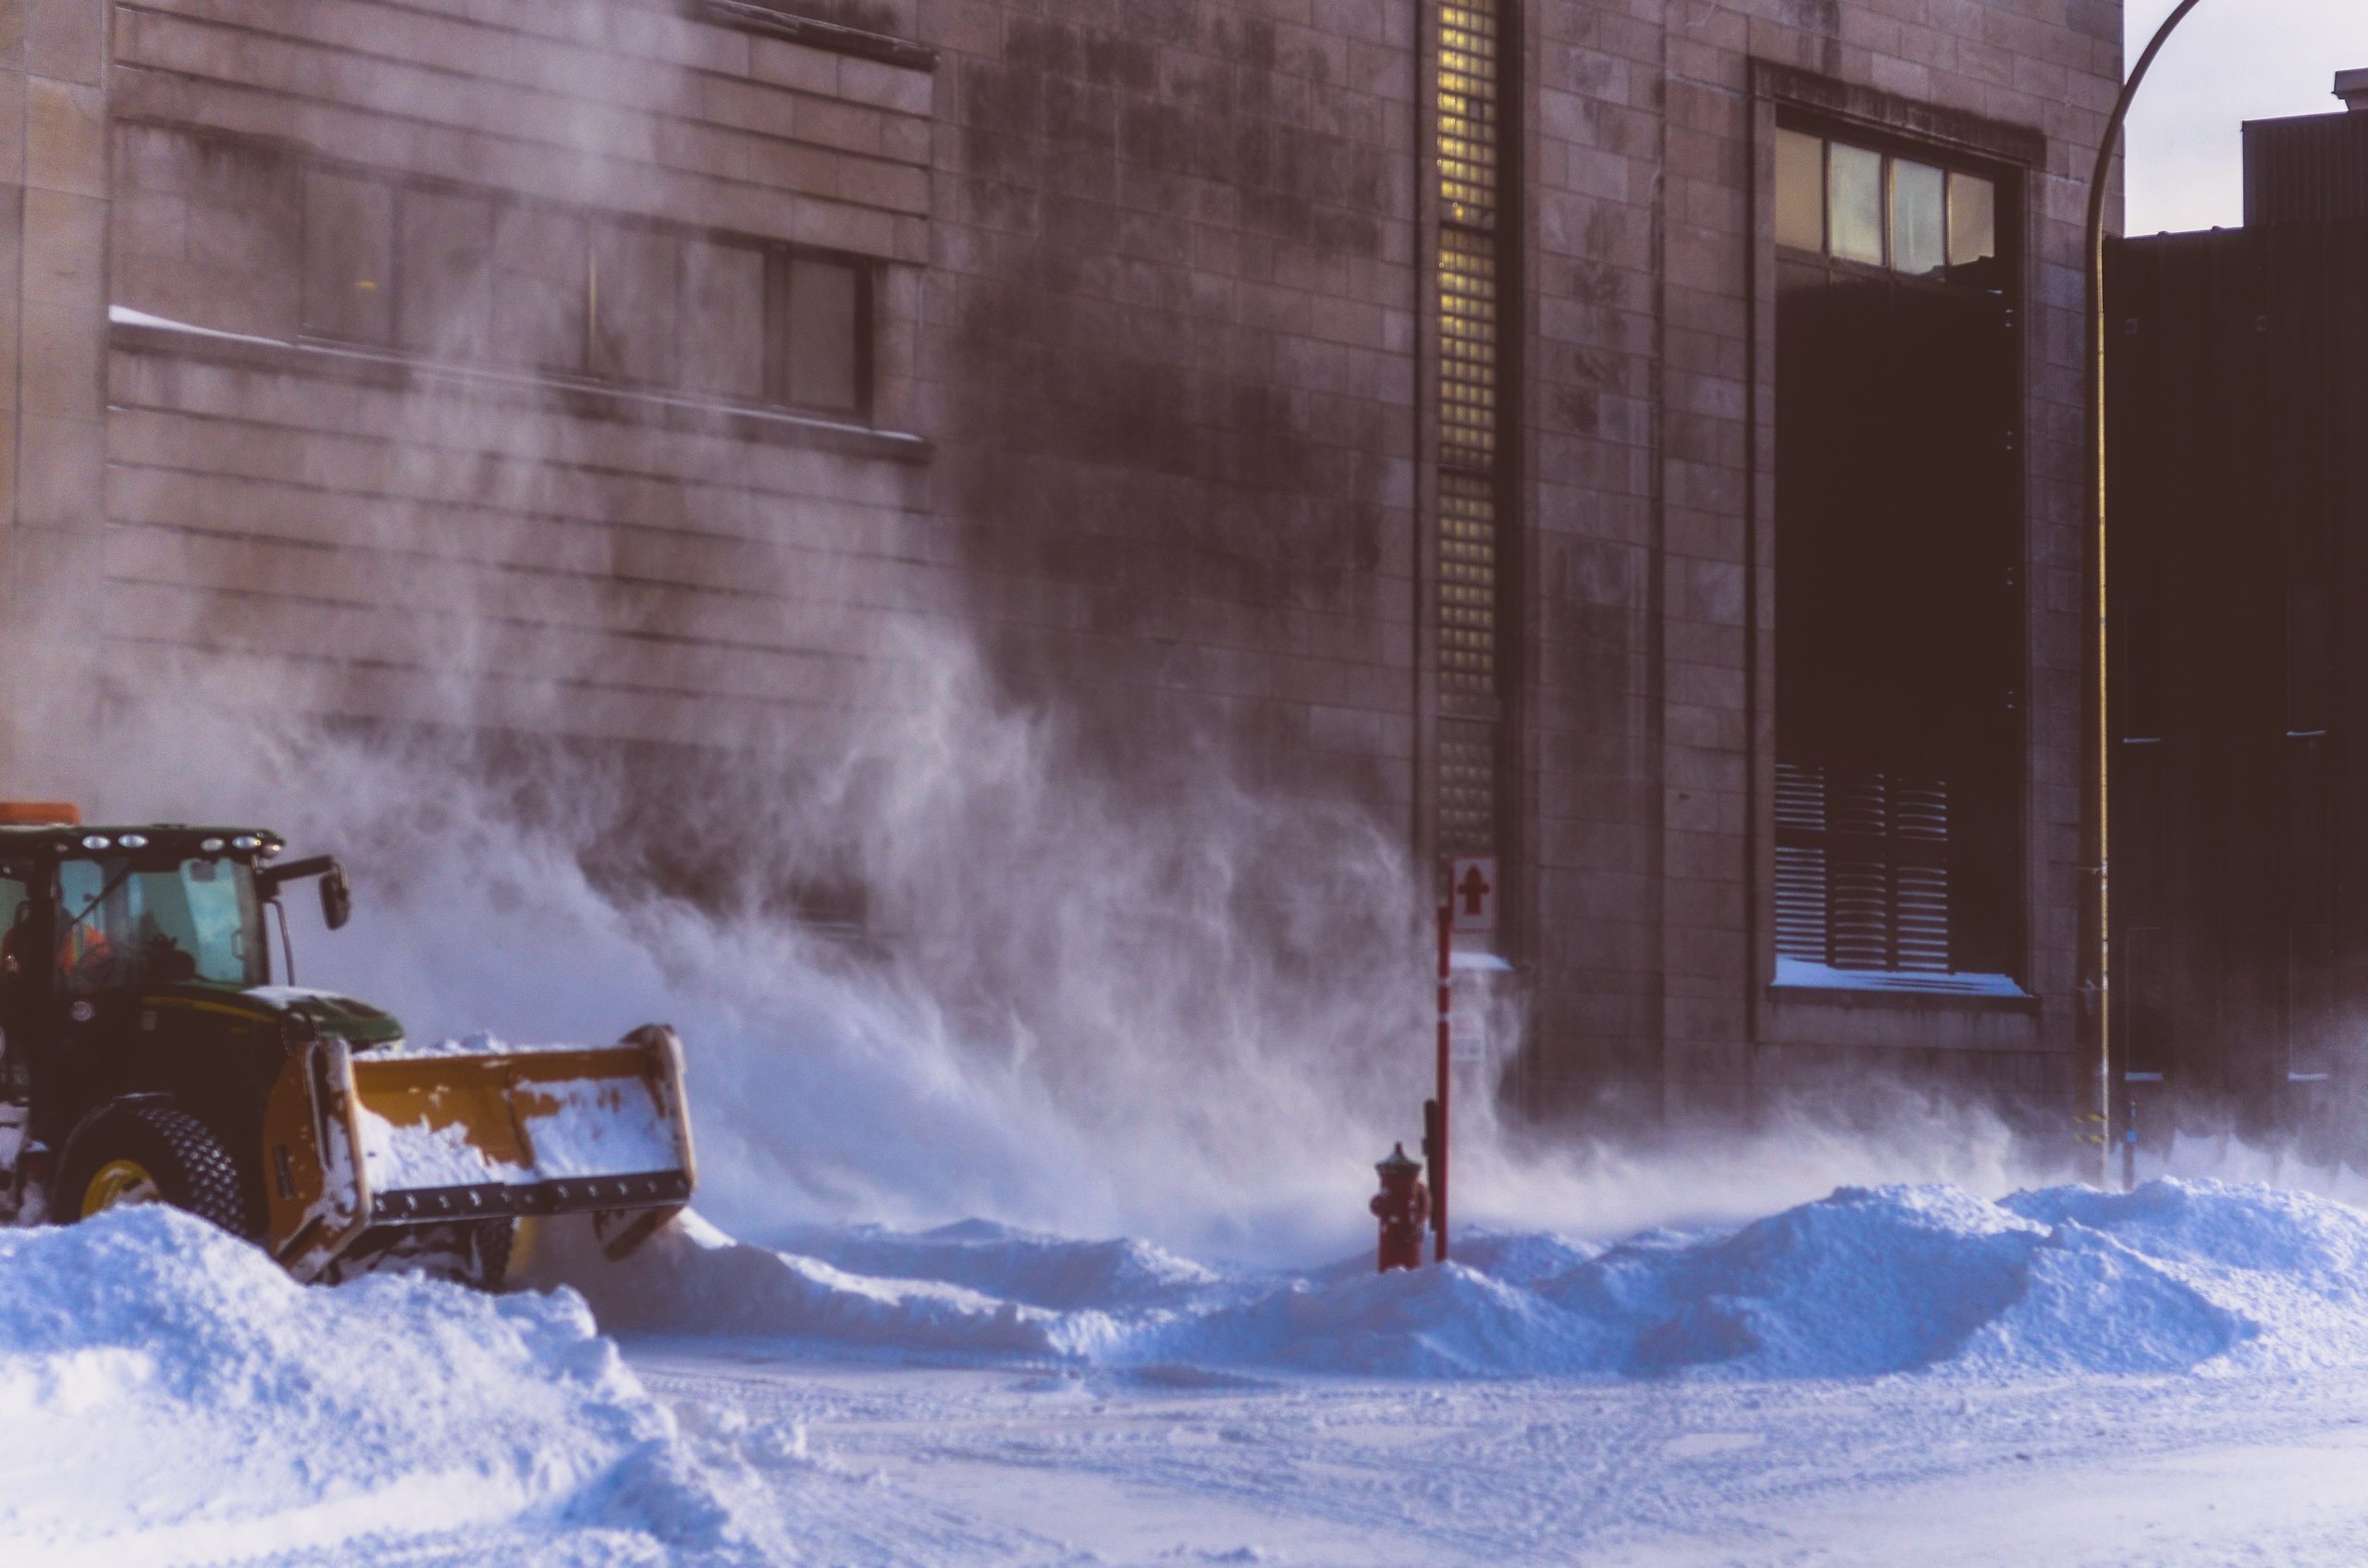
(692, 1279)
(168, 1396)
(1865, 1282)
(1044, 1271)
(418, 1155)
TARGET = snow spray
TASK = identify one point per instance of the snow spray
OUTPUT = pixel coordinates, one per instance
(1183, 1001)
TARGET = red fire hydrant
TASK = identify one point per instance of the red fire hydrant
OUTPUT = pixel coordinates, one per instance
(1404, 1206)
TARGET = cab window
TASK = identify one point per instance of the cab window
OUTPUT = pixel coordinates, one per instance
(124, 923)
(16, 922)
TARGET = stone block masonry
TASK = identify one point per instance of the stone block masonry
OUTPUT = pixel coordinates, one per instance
(1103, 331)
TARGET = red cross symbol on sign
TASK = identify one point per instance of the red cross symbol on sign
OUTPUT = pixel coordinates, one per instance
(1471, 890)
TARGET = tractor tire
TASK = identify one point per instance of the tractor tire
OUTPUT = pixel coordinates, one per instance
(144, 1152)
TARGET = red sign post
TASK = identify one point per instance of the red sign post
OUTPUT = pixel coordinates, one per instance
(1439, 1142)
(1470, 908)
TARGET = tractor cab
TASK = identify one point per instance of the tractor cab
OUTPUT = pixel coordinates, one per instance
(140, 958)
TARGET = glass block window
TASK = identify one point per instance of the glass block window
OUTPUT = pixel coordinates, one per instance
(1467, 588)
(1467, 348)
(1471, 434)
(1468, 128)
(1467, 788)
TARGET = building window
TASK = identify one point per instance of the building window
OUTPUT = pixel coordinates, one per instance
(1899, 537)
(472, 277)
(723, 290)
(1471, 730)
(1878, 209)
(634, 288)
(821, 359)
(445, 249)
(541, 289)
(349, 257)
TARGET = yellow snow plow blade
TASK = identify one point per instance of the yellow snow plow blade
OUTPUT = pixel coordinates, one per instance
(356, 1146)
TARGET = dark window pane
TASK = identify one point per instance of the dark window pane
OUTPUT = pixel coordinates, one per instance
(634, 291)
(447, 244)
(539, 288)
(722, 319)
(1855, 204)
(1918, 194)
(824, 337)
(349, 249)
(1800, 190)
(1973, 220)
(2309, 657)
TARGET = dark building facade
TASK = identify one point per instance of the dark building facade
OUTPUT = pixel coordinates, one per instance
(1639, 440)
(2238, 386)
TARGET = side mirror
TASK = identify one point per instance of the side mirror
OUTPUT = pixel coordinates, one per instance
(337, 897)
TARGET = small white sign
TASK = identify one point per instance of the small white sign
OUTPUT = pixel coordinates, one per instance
(1467, 1026)
(1472, 895)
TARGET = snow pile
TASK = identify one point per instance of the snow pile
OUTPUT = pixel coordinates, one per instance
(598, 1126)
(167, 1395)
(692, 1279)
(1865, 1282)
(1890, 1279)
(1044, 1271)
(400, 1156)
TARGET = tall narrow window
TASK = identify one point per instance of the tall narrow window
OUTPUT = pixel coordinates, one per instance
(636, 289)
(447, 257)
(723, 292)
(1471, 435)
(1899, 612)
(819, 349)
(541, 288)
(349, 257)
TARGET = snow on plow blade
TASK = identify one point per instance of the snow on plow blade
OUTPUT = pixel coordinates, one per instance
(355, 1146)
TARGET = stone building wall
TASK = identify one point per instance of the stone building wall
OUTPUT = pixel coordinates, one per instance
(406, 533)
(1153, 409)
(1653, 591)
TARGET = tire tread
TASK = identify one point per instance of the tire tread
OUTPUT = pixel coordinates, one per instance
(200, 1176)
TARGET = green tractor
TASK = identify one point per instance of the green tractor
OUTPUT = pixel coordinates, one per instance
(146, 1055)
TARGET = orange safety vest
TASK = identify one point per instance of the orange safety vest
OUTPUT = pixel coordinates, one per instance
(85, 944)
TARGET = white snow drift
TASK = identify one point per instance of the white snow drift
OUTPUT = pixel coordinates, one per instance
(1869, 1280)
(167, 1395)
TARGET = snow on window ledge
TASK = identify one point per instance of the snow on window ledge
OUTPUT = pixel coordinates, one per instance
(613, 395)
(1803, 975)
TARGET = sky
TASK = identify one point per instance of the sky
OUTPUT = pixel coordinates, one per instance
(2230, 61)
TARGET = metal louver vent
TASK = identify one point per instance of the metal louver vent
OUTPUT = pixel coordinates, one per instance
(1862, 869)
(1858, 903)
(1920, 931)
(1801, 929)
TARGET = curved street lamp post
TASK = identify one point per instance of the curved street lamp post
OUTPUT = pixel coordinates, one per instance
(2102, 738)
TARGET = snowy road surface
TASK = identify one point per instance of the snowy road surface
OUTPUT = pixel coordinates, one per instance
(2176, 1377)
(976, 1466)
